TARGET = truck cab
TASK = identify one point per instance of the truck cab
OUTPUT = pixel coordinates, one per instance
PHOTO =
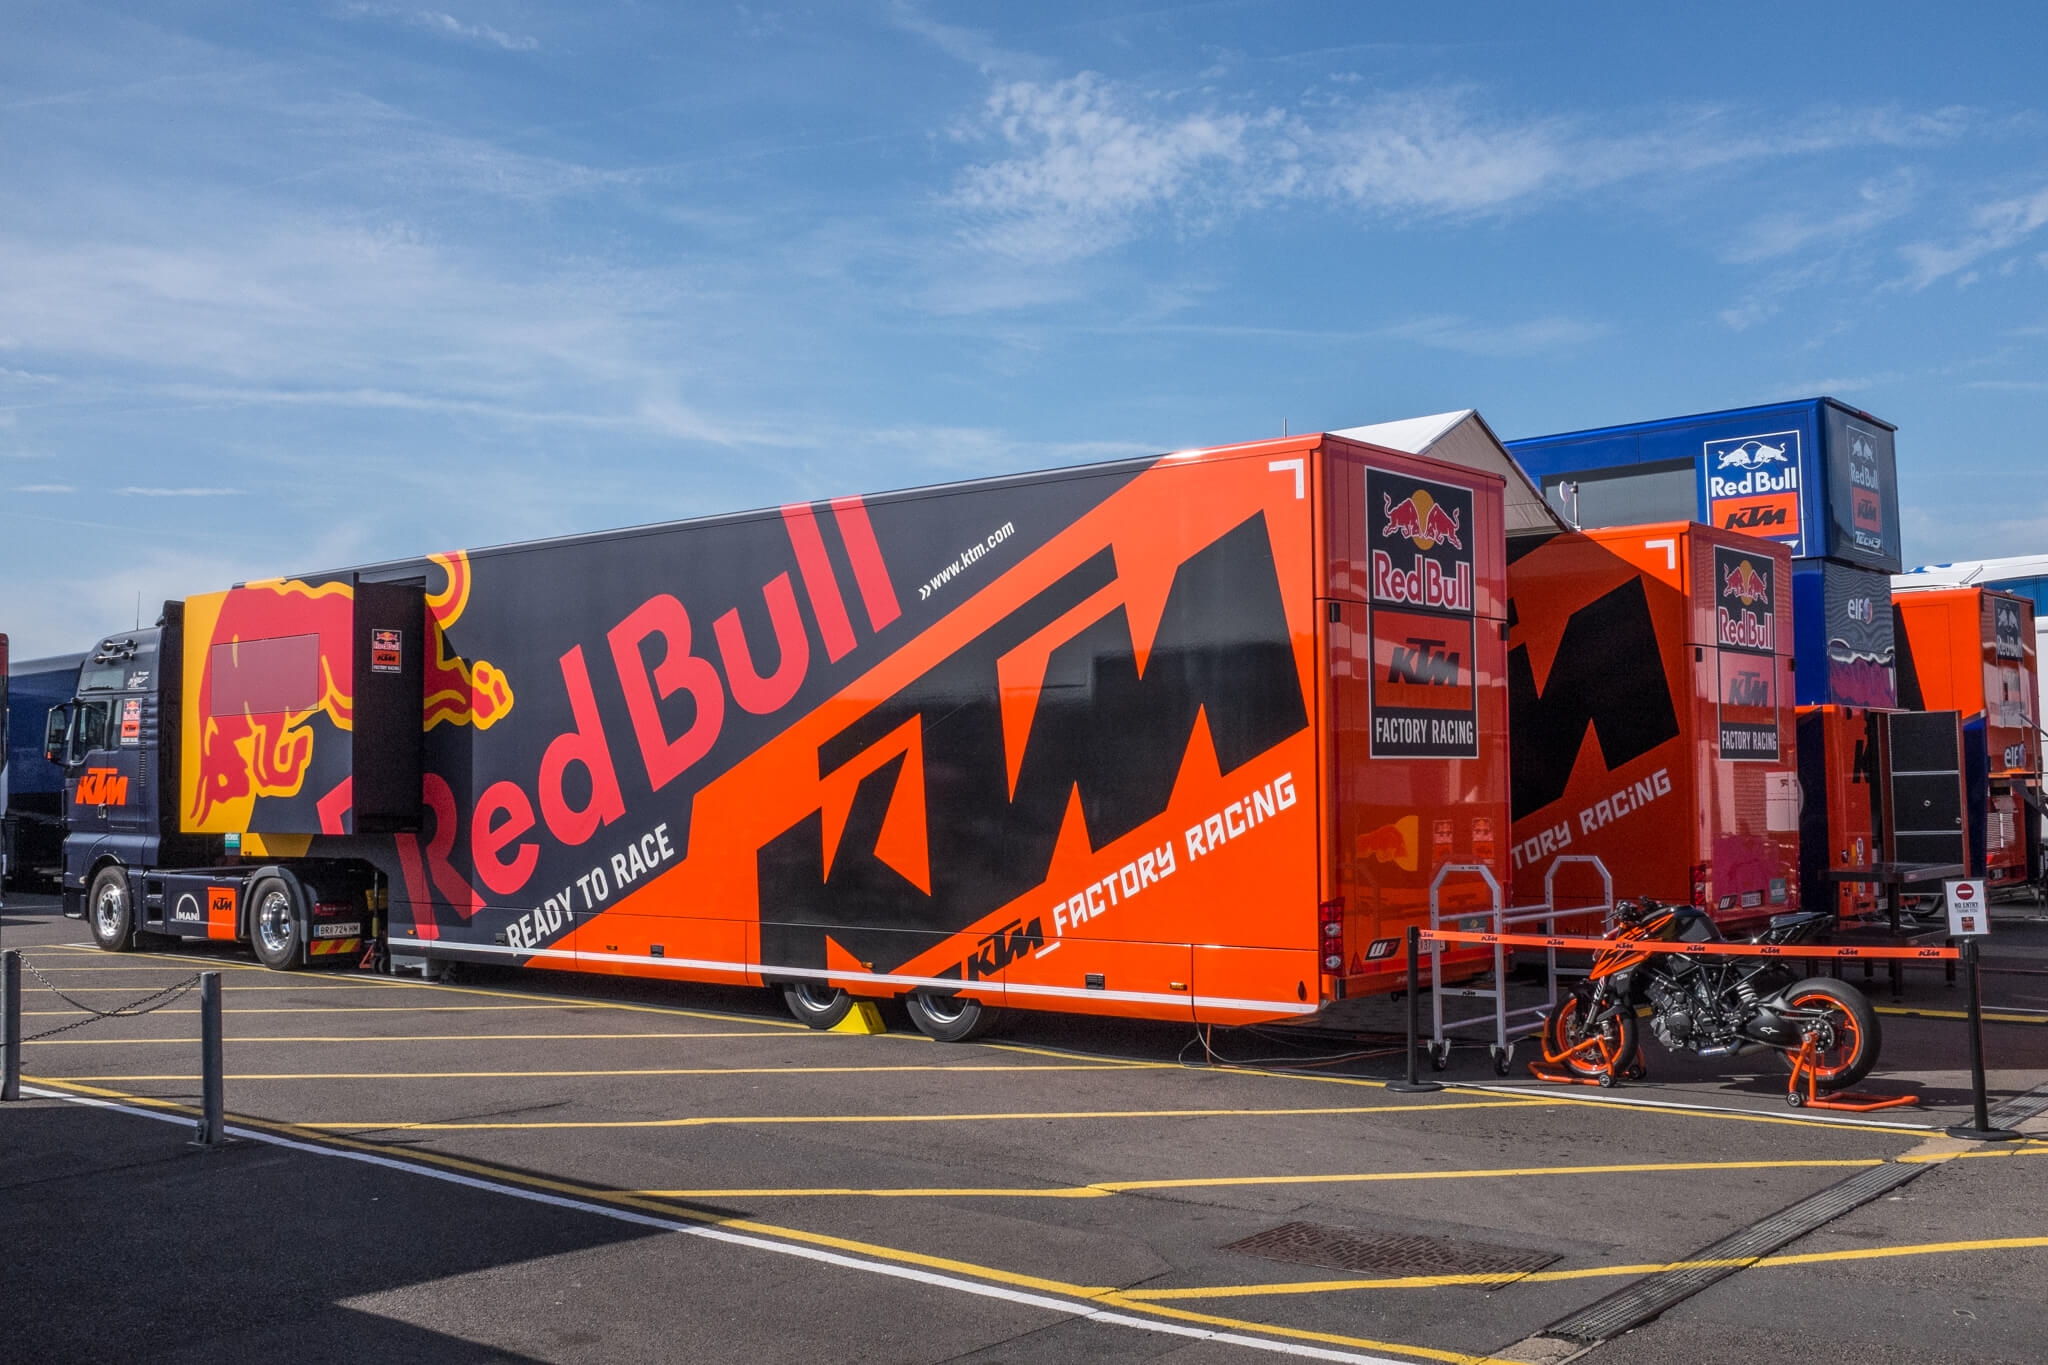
(130, 869)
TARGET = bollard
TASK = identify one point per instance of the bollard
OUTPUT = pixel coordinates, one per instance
(211, 1119)
(1980, 1130)
(10, 1025)
(1414, 1085)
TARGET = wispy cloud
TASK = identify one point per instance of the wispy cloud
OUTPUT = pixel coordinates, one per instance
(1875, 203)
(1538, 336)
(1088, 163)
(134, 491)
(1994, 227)
(445, 25)
(44, 488)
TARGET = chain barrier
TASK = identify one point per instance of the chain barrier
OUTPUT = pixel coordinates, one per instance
(155, 1000)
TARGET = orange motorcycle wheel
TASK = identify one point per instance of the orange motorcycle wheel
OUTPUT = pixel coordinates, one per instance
(1603, 1055)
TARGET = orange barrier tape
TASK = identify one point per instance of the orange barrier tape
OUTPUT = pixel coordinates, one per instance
(1693, 949)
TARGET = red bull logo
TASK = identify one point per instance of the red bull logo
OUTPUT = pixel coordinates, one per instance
(1745, 584)
(1422, 519)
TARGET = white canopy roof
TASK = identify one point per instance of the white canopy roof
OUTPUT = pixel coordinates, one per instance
(1463, 438)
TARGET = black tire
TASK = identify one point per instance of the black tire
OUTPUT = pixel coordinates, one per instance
(110, 909)
(1855, 1036)
(815, 1003)
(950, 1018)
(277, 931)
(1613, 1058)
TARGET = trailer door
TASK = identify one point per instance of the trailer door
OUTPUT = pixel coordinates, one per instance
(1924, 787)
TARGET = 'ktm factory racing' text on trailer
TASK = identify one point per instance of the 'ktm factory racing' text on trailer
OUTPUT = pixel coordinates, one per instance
(1149, 738)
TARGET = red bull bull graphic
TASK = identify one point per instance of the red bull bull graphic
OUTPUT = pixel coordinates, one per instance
(277, 655)
(1746, 634)
(459, 692)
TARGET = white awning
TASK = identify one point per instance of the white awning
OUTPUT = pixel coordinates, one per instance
(1463, 438)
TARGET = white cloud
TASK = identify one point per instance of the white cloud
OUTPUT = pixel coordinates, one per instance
(444, 25)
(1994, 227)
(133, 491)
(1088, 163)
(44, 488)
(1539, 336)
(1875, 203)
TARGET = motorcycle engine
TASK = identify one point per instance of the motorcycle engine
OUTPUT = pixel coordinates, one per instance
(1685, 1016)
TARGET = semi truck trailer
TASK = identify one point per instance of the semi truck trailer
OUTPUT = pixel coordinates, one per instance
(1189, 737)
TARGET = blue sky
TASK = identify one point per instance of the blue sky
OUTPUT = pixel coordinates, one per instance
(290, 286)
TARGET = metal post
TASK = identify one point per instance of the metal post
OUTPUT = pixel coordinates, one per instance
(1414, 1084)
(212, 1123)
(1981, 1130)
(10, 1030)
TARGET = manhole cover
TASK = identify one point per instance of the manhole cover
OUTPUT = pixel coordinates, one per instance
(1387, 1253)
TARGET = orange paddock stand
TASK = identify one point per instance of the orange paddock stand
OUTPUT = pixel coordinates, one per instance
(1850, 1100)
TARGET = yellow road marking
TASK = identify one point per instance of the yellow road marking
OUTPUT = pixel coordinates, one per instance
(1103, 1189)
(716, 1120)
(351, 1009)
(427, 1038)
(1587, 1273)
(1091, 1293)
(2031, 1147)
(650, 1071)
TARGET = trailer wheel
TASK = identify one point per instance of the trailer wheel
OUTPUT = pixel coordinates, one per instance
(950, 1018)
(275, 931)
(815, 1003)
(113, 911)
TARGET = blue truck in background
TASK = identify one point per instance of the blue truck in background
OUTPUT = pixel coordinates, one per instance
(31, 787)
(1815, 475)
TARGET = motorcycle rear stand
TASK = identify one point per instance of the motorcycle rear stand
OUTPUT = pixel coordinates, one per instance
(1850, 1101)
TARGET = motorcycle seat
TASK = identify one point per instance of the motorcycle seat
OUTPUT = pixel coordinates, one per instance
(1796, 919)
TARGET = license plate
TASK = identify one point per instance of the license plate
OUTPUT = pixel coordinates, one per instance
(337, 931)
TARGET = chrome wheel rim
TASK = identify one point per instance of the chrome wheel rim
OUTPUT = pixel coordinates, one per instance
(106, 910)
(944, 1009)
(817, 999)
(274, 922)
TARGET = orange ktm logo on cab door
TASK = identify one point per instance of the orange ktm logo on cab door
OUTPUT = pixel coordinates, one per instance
(102, 787)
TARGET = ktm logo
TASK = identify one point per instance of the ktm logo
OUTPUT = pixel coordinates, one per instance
(102, 787)
(1426, 662)
(1749, 689)
(1000, 949)
(1751, 518)
(1422, 519)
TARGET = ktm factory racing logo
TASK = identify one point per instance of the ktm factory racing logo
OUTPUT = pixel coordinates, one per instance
(1424, 694)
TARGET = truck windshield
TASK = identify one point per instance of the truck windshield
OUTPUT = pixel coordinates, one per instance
(103, 678)
(92, 728)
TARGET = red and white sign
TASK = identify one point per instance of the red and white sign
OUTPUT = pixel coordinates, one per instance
(1967, 911)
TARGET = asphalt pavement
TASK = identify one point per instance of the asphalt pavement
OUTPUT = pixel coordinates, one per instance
(547, 1166)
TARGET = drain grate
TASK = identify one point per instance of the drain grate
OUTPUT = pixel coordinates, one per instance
(1387, 1254)
(2020, 1108)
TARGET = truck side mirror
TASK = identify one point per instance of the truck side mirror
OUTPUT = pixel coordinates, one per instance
(54, 730)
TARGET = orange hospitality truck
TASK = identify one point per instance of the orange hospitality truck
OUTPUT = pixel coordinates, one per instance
(1650, 706)
(1150, 738)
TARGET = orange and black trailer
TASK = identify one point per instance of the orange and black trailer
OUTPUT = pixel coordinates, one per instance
(1972, 650)
(1183, 738)
(1650, 708)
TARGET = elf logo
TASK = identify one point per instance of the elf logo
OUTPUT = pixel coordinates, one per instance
(102, 787)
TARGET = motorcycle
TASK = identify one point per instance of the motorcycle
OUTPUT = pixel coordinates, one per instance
(1711, 1005)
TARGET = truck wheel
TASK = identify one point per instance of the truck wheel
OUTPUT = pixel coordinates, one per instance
(815, 1003)
(274, 928)
(113, 911)
(950, 1018)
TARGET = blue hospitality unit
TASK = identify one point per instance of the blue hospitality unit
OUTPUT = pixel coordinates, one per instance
(1815, 475)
